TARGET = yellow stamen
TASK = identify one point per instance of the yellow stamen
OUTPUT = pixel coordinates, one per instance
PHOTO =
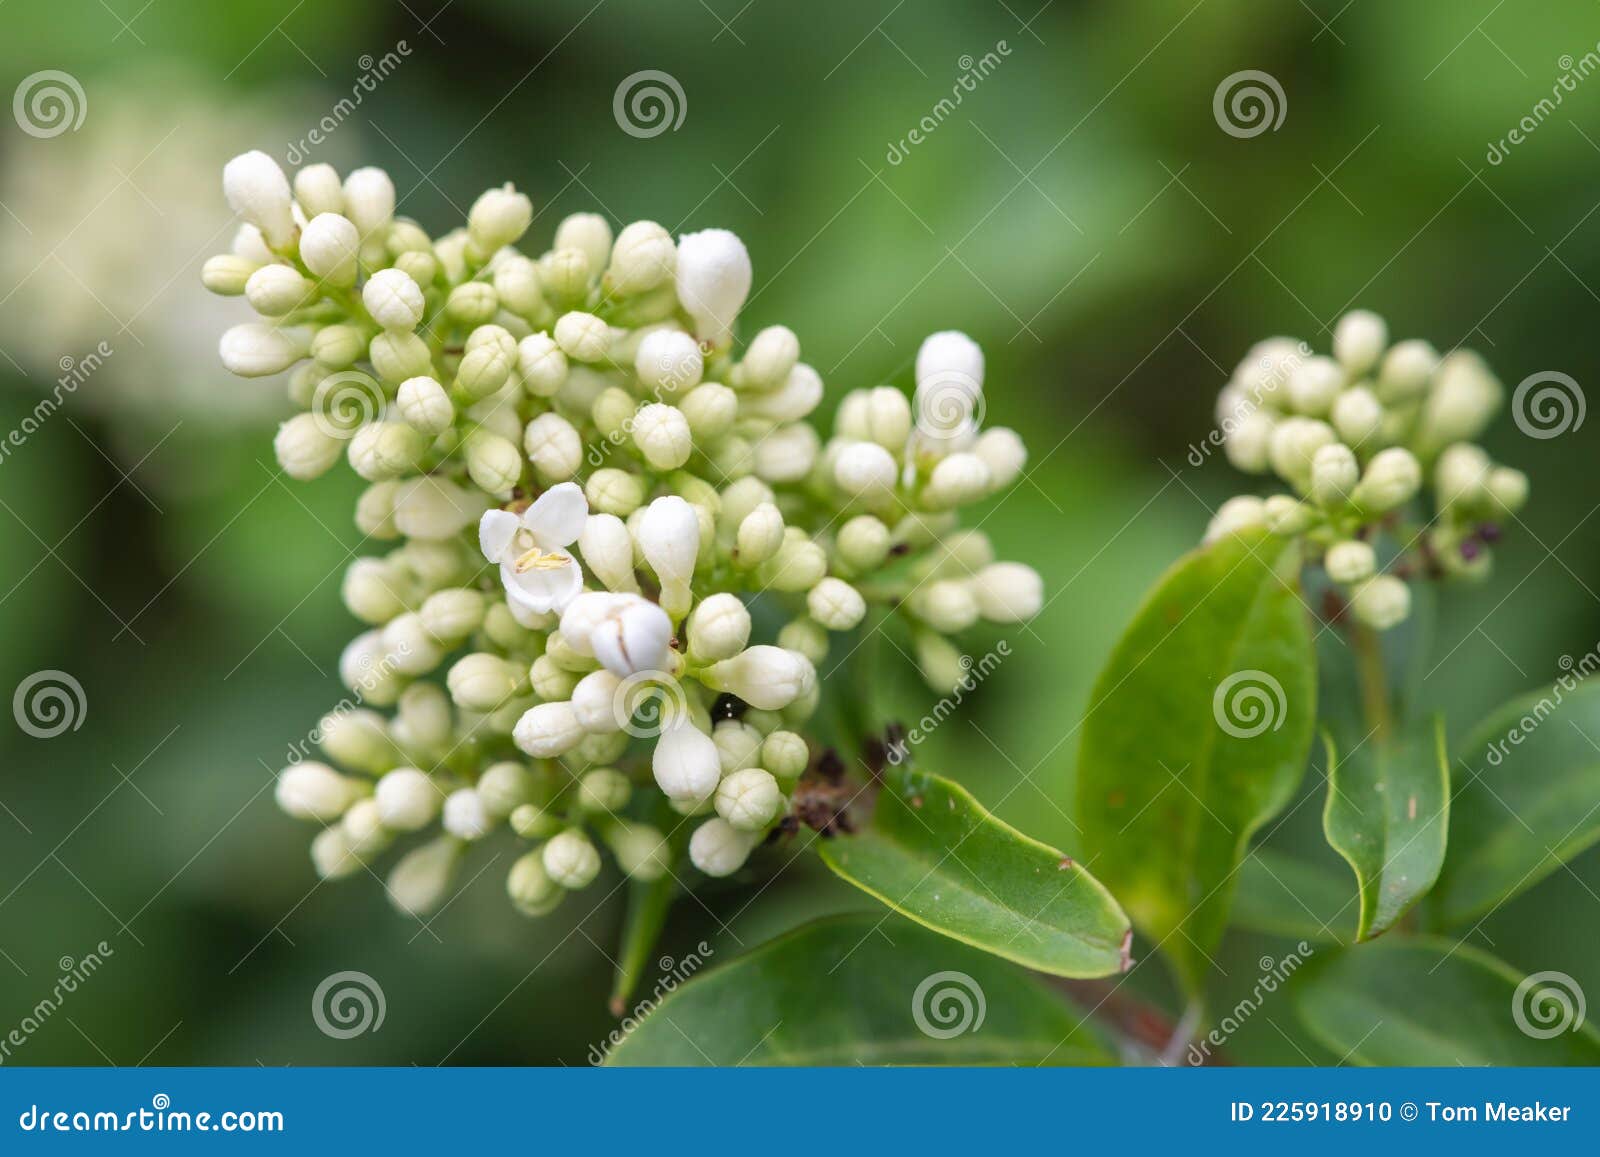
(537, 559)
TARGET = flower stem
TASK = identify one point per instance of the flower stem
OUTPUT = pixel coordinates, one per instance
(1374, 681)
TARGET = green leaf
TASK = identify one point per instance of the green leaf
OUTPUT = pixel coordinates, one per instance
(1196, 735)
(648, 904)
(1526, 782)
(1283, 895)
(1427, 1001)
(934, 854)
(1388, 814)
(863, 989)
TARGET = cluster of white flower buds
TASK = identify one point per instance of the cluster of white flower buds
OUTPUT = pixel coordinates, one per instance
(1357, 436)
(594, 488)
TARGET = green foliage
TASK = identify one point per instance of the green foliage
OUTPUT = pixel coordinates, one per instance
(1282, 895)
(1167, 795)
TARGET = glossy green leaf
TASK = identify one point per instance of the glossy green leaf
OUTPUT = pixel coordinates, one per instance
(1196, 735)
(862, 989)
(934, 854)
(1525, 782)
(1283, 895)
(649, 901)
(1411, 1000)
(1388, 815)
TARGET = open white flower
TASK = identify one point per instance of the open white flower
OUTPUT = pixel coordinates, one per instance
(539, 575)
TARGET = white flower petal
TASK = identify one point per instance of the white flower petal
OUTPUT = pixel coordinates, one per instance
(495, 531)
(544, 588)
(557, 516)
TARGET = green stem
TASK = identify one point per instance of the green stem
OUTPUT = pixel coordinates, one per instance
(1375, 703)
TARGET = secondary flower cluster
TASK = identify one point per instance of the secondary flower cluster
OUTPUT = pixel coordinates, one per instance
(1356, 436)
(591, 489)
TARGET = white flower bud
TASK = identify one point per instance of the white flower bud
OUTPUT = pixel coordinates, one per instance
(385, 450)
(369, 200)
(863, 543)
(258, 191)
(957, 480)
(1239, 513)
(662, 434)
(408, 647)
(1461, 475)
(364, 832)
(887, 417)
(710, 409)
(1247, 441)
(407, 799)
(481, 682)
(949, 354)
(274, 290)
(947, 606)
(329, 245)
(1357, 415)
(1359, 340)
(1406, 369)
(718, 848)
(499, 217)
(1464, 398)
(331, 854)
(603, 791)
(254, 350)
(547, 730)
(766, 677)
(494, 463)
(759, 537)
(668, 362)
(571, 860)
(1508, 488)
(1294, 442)
(864, 468)
(228, 274)
(1313, 385)
(798, 566)
(1381, 602)
(314, 791)
(357, 738)
(769, 359)
(393, 299)
(1287, 515)
(336, 347)
(686, 763)
(465, 817)
(1350, 561)
(434, 508)
(373, 590)
(583, 337)
(551, 681)
(785, 754)
(749, 799)
(642, 258)
(642, 852)
(532, 822)
(787, 454)
(589, 234)
(836, 604)
(607, 550)
(422, 877)
(504, 787)
(554, 447)
(669, 539)
(425, 721)
(805, 636)
(1334, 474)
(738, 745)
(425, 406)
(594, 702)
(317, 189)
(397, 355)
(516, 285)
(304, 448)
(1002, 451)
(472, 303)
(1392, 479)
(635, 636)
(530, 887)
(713, 280)
(718, 629)
(795, 397)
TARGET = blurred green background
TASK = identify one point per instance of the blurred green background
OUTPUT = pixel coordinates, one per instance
(1080, 213)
